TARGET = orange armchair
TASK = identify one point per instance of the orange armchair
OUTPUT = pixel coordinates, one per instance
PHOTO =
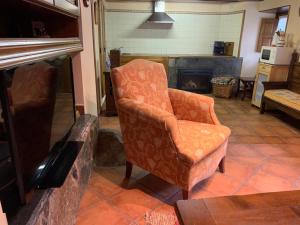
(173, 134)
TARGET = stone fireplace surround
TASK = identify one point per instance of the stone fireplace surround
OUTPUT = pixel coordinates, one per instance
(58, 206)
(195, 80)
(218, 65)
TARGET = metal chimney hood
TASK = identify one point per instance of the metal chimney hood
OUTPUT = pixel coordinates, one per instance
(159, 15)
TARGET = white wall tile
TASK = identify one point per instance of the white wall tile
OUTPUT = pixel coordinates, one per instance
(190, 34)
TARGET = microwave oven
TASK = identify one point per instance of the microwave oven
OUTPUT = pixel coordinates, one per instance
(276, 55)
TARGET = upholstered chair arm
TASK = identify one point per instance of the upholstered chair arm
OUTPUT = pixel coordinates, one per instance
(152, 127)
(146, 123)
(193, 107)
(145, 112)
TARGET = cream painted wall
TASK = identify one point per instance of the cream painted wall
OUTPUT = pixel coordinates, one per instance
(84, 66)
(83, 63)
(250, 31)
(170, 6)
(190, 34)
(230, 29)
(250, 34)
(294, 19)
(251, 23)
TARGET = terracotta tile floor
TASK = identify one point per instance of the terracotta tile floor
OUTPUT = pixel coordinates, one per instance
(263, 156)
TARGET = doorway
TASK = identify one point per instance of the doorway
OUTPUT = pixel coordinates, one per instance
(98, 12)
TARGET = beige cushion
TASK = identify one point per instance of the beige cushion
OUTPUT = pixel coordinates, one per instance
(285, 97)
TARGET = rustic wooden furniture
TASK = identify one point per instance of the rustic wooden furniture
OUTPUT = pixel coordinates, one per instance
(268, 27)
(292, 84)
(263, 209)
(267, 72)
(248, 83)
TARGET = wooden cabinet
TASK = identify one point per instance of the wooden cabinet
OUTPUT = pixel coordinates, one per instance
(50, 2)
(38, 19)
(68, 5)
(267, 72)
(267, 30)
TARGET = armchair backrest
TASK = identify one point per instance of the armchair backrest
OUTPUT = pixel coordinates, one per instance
(34, 82)
(144, 81)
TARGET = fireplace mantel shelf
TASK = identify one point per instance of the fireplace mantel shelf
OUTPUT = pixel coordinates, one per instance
(178, 55)
(18, 51)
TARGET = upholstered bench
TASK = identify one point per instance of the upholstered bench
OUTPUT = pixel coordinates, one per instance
(282, 98)
(285, 97)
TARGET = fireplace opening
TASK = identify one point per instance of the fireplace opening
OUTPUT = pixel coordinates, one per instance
(195, 80)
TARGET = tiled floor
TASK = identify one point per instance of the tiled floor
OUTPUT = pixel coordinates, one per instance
(263, 156)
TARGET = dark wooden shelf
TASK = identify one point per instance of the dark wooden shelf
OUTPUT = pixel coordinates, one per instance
(19, 51)
(19, 17)
(19, 42)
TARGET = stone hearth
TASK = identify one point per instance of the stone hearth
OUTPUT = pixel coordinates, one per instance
(110, 151)
(58, 206)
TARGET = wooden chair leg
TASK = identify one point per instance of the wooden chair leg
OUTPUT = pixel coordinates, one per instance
(222, 165)
(185, 194)
(262, 107)
(128, 170)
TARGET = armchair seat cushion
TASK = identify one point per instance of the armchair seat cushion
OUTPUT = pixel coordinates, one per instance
(200, 139)
(284, 97)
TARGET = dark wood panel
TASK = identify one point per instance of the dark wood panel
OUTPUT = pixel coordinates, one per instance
(267, 29)
(191, 211)
(295, 79)
(281, 208)
(32, 19)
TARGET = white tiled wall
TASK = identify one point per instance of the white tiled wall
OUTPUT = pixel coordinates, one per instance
(230, 29)
(190, 34)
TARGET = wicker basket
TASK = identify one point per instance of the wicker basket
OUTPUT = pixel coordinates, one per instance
(223, 86)
(221, 90)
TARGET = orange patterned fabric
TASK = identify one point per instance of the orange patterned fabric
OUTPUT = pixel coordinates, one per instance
(181, 146)
(200, 139)
(144, 81)
(193, 107)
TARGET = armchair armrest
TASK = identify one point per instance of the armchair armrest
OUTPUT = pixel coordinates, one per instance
(269, 85)
(148, 114)
(193, 107)
(141, 122)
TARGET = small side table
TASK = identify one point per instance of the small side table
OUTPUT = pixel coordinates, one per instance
(248, 83)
